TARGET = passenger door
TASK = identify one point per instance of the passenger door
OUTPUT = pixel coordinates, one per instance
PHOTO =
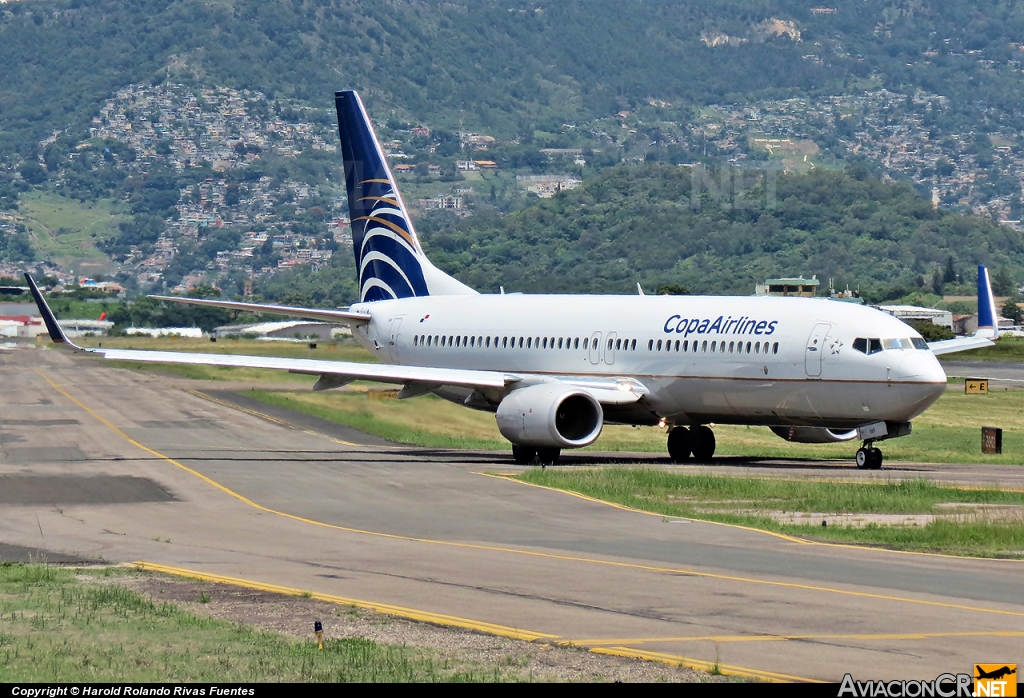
(814, 349)
(609, 352)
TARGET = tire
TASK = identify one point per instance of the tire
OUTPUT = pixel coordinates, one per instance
(679, 444)
(863, 458)
(523, 455)
(548, 456)
(876, 459)
(703, 443)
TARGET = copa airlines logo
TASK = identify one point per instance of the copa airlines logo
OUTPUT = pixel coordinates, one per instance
(677, 324)
(386, 252)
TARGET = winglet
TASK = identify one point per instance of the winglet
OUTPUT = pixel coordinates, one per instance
(988, 323)
(57, 335)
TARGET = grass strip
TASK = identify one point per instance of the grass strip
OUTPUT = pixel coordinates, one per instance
(55, 627)
(979, 532)
(426, 421)
(948, 433)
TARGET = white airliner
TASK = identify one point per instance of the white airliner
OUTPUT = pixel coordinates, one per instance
(555, 368)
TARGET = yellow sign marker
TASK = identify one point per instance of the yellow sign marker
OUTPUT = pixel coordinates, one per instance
(976, 386)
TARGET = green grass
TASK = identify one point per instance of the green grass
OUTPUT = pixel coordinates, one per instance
(424, 421)
(1005, 349)
(747, 501)
(950, 432)
(66, 230)
(343, 350)
(56, 628)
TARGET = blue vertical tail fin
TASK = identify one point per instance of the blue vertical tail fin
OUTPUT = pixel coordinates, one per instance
(988, 323)
(389, 260)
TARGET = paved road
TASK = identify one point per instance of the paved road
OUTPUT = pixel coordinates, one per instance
(999, 372)
(119, 465)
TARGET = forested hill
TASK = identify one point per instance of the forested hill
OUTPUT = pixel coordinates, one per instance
(639, 223)
(507, 65)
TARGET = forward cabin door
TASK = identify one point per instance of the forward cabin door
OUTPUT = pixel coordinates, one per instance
(392, 348)
(815, 347)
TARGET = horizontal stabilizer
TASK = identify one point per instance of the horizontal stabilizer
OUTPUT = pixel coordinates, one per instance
(342, 317)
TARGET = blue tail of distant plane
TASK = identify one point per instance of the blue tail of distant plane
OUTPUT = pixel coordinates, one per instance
(389, 260)
(988, 323)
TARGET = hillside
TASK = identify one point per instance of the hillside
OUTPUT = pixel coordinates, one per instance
(508, 66)
(638, 224)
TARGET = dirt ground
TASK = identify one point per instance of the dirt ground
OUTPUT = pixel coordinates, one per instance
(294, 616)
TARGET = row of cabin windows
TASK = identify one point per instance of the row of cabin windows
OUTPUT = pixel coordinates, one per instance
(424, 340)
(715, 345)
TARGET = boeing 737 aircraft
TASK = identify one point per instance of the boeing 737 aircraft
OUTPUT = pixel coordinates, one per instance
(555, 368)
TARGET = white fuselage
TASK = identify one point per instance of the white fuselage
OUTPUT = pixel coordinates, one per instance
(739, 360)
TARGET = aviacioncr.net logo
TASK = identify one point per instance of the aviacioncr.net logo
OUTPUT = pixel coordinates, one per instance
(942, 686)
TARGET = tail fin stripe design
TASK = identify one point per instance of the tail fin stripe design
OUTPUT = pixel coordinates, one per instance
(388, 274)
(378, 219)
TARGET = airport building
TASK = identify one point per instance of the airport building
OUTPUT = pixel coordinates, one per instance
(296, 330)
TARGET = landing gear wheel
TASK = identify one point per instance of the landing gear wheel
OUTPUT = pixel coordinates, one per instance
(679, 444)
(876, 459)
(869, 458)
(548, 456)
(703, 440)
(523, 455)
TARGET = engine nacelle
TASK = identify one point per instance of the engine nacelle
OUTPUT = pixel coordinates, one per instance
(814, 435)
(550, 415)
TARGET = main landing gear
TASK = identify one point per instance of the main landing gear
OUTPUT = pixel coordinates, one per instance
(869, 457)
(699, 441)
(528, 455)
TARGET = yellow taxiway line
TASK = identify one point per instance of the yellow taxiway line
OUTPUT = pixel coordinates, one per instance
(782, 638)
(468, 624)
(675, 571)
(514, 477)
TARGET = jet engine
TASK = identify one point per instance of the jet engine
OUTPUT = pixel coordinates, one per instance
(550, 415)
(814, 435)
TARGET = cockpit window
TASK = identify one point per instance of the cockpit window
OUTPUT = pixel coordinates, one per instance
(861, 345)
(874, 346)
(919, 343)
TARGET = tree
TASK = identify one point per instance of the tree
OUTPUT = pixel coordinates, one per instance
(32, 172)
(1012, 311)
(950, 275)
(673, 290)
(1002, 284)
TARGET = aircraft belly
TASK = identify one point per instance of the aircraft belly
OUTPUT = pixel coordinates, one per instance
(800, 403)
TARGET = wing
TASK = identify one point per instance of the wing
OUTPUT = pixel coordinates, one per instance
(344, 317)
(416, 379)
(950, 346)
